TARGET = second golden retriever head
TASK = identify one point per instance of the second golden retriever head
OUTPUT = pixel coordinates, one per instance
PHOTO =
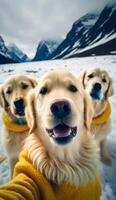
(13, 94)
(97, 83)
(59, 108)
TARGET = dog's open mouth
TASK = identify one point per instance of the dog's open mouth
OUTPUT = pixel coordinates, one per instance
(62, 133)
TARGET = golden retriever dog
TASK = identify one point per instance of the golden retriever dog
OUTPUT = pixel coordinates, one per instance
(98, 84)
(13, 94)
(59, 114)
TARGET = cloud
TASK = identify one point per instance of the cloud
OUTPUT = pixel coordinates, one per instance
(26, 22)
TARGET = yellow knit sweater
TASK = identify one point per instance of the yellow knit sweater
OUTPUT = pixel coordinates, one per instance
(30, 184)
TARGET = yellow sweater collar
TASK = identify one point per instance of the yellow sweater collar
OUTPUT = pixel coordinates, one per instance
(103, 117)
(12, 126)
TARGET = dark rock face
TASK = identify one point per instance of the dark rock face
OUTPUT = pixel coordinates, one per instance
(11, 53)
(5, 60)
(45, 49)
(4, 57)
(73, 38)
(16, 54)
(42, 52)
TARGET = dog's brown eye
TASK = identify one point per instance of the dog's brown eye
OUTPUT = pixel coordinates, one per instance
(90, 76)
(72, 88)
(9, 91)
(24, 86)
(43, 90)
(104, 80)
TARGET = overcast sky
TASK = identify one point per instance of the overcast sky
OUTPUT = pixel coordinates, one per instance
(26, 22)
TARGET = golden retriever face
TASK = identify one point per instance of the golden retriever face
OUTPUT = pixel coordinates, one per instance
(13, 94)
(60, 107)
(97, 83)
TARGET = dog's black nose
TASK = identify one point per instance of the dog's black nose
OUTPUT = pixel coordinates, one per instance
(61, 109)
(97, 86)
(19, 103)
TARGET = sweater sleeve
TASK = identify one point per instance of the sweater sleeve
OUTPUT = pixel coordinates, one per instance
(22, 186)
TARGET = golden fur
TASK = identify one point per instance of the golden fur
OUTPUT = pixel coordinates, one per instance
(14, 141)
(100, 131)
(2, 158)
(75, 162)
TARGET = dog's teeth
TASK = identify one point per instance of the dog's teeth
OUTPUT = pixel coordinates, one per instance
(74, 132)
(50, 134)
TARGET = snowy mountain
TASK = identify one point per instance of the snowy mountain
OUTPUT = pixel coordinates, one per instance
(3, 48)
(101, 38)
(45, 49)
(11, 53)
(78, 30)
(96, 38)
(16, 54)
(4, 57)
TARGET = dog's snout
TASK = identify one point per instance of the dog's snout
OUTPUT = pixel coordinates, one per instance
(19, 103)
(97, 86)
(19, 107)
(61, 108)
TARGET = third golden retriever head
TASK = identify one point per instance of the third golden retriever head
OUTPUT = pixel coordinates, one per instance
(13, 94)
(97, 83)
(59, 109)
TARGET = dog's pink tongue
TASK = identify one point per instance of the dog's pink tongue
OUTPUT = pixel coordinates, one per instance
(62, 130)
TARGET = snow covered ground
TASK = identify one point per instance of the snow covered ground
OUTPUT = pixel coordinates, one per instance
(37, 69)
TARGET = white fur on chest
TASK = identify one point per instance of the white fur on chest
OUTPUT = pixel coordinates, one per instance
(13, 142)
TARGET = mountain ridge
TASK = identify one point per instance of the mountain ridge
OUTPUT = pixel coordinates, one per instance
(11, 53)
(45, 49)
(99, 34)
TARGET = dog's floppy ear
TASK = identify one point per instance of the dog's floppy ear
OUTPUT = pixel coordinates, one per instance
(33, 81)
(3, 101)
(110, 90)
(30, 111)
(88, 111)
(82, 77)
